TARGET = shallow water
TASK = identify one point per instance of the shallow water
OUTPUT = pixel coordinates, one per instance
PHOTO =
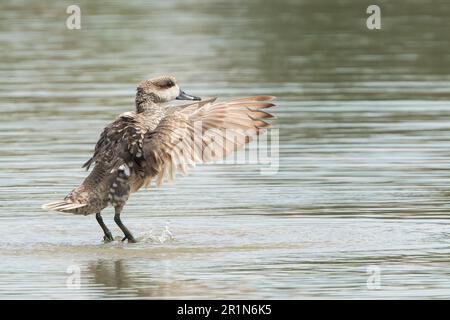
(362, 183)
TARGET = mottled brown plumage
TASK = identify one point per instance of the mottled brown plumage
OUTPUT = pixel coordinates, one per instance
(156, 141)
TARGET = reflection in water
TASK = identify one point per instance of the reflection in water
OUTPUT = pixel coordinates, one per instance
(120, 278)
(364, 123)
(111, 274)
(115, 278)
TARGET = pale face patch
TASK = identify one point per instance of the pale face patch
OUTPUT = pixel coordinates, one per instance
(169, 94)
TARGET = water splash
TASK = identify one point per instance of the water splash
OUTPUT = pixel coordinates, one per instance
(165, 236)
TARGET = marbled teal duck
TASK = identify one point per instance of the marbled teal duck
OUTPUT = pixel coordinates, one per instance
(155, 141)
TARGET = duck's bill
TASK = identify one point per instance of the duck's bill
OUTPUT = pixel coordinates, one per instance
(184, 96)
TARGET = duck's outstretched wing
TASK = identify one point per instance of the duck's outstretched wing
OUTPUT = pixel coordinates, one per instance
(122, 139)
(190, 106)
(200, 133)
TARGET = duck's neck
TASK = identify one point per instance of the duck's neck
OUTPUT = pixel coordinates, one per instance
(146, 103)
(147, 106)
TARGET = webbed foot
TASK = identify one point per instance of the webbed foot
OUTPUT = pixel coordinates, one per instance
(130, 238)
(108, 237)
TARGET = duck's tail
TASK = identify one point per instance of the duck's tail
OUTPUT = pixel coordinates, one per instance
(63, 206)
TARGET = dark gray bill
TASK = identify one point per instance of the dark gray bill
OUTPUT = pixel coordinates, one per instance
(184, 96)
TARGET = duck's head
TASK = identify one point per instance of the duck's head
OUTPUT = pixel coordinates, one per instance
(159, 90)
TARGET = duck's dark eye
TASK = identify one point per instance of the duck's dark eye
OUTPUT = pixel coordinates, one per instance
(169, 83)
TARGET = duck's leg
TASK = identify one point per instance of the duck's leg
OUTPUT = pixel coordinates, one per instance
(126, 232)
(108, 235)
(118, 195)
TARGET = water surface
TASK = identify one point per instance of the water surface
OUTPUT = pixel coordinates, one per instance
(362, 184)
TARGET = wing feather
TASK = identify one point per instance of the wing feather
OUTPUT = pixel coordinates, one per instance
(201, 132)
